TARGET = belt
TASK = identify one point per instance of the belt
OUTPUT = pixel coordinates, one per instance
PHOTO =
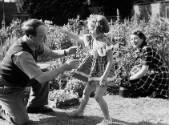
(9, 90)
(4, 89)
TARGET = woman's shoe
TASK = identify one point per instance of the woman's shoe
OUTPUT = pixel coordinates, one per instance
(105, 122)
(75, 113)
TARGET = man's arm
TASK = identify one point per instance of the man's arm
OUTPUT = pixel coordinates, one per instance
(49, 75)
(28, 65)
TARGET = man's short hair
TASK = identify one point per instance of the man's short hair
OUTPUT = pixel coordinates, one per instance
(29, 26)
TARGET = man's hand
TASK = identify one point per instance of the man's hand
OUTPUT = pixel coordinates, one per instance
(72, 50)
(72, 64)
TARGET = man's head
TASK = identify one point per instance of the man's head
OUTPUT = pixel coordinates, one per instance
(35, 30)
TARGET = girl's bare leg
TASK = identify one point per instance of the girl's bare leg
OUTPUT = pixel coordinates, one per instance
(100, 92)
(86, 95)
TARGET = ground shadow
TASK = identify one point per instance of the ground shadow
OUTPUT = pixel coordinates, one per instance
(61, 118)
(147, 123)
(54, 118)
(118, 122)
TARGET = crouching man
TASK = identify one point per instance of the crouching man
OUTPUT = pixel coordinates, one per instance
(19, 69)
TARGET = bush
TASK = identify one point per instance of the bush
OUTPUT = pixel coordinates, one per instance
(76, 86)
(59, 11)
(124, 57)
(63, 98)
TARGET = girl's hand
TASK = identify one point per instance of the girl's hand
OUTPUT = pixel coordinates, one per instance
(101, 49)
(102, 82)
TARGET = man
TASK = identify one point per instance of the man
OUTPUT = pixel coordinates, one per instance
(19, 69)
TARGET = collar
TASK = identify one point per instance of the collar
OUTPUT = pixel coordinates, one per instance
(29, 43)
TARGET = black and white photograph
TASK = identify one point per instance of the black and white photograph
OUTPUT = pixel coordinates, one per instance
(84, 62)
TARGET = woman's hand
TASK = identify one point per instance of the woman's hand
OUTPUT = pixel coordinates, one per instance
(132, 78)
(140, 73)
(134, 70)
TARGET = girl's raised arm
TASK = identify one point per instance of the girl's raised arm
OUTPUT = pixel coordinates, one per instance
(73, 36)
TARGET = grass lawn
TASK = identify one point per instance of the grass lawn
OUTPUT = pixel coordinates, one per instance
(124, 111)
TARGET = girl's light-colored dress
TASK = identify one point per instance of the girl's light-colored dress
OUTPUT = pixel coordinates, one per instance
(94, 65)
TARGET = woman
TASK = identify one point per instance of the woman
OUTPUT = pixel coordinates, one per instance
(151, 79)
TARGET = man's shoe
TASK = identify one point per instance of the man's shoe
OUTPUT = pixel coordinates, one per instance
(42, 109)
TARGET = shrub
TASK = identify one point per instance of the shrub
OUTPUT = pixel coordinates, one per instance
(124, 57)
(63, 98)
(76, 86)
(9, 34)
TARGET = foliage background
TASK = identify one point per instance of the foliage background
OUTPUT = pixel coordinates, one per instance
(157, 32)
(58, 11)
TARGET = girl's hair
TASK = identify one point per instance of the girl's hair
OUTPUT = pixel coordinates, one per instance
(141, 36)
(100, 23)
(29, 27)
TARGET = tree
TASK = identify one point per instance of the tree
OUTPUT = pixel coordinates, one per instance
(58, 11)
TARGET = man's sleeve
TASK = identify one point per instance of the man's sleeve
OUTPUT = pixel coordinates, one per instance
(27, 64)
(47, 51)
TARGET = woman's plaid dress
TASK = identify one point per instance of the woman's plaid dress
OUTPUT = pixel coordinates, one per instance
(155, 82)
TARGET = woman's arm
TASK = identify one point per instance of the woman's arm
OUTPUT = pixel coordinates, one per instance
(146, 62)
(140, 73)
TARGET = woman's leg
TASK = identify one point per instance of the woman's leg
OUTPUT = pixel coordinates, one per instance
(100, 92)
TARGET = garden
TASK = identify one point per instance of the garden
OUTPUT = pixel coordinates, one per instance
(66, 91)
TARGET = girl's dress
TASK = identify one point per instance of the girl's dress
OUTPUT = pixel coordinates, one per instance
(155, 83)
(94, 65)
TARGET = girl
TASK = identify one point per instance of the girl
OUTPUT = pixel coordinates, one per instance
(101, 53)
(152, 76)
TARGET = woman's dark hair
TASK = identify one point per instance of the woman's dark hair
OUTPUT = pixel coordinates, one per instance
(29, 26)
(141, 35)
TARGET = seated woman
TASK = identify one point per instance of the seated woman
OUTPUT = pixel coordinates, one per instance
(151, 78)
